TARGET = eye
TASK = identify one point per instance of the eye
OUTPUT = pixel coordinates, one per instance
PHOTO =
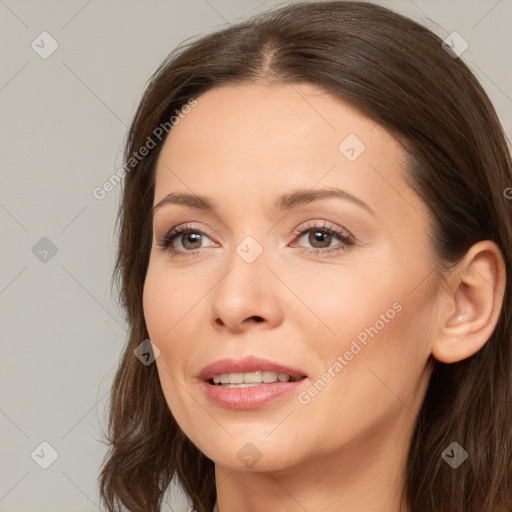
(321, 236)
(189, 236)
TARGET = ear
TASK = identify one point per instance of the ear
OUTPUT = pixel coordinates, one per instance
(471, 303)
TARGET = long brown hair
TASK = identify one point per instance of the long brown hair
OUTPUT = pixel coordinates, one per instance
(398, 73)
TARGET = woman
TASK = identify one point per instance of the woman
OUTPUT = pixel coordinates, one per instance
(315, 233)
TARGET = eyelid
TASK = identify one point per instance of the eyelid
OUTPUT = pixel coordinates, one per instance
(323, 225)
(175, 232)
(345, 237)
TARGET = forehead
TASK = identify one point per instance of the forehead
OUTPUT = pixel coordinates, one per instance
(260, 138)
(285, 119)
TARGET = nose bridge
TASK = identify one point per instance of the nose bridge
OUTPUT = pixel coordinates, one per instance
(247, 270)
(245, 291)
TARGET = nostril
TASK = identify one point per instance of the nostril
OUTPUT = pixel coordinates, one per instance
(258, 318)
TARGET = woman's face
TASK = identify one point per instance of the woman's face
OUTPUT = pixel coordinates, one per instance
(341, 290)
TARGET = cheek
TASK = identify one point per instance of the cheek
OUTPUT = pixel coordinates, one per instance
(394, 335)
(344, 298)
(168, 304)
(165, 314)
(382, 366)
(338, 305)
(155, 305)
(375, 320)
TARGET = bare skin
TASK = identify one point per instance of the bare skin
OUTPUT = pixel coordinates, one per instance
(343, 447)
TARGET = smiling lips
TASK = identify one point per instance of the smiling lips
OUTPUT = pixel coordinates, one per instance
(248, 383)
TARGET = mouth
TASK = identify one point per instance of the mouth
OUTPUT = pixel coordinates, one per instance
(250, 382)
(249, 370)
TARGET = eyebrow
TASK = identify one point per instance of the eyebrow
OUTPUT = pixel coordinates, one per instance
(283, 202)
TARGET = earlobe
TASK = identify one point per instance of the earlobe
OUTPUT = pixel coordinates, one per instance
(471, 306)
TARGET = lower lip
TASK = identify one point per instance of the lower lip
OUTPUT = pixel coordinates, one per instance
(250, 397)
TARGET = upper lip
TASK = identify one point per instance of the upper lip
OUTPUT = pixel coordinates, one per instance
(245, 365)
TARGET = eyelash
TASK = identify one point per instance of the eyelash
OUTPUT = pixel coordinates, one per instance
(346, 240)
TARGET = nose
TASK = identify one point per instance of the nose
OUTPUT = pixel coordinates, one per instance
(246, 296)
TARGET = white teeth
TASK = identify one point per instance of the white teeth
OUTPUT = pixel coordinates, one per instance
(269, 377)
(251, 378)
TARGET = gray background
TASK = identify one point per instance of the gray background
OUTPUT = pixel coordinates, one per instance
(63, 123)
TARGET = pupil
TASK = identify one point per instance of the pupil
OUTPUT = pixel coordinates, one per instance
(319, 236)
(190, 236)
